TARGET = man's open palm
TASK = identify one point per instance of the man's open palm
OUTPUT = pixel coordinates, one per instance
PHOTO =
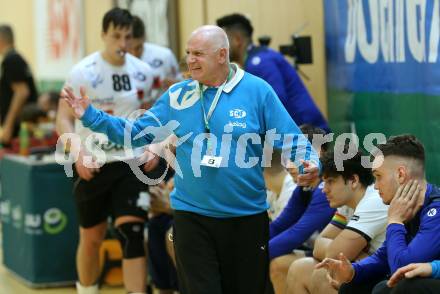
(78, 104)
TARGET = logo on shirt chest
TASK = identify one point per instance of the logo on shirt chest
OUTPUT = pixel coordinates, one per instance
(97, 81)
(156, 63)
(237, 113)
(239, 118)
(139, 76)
(188, 98)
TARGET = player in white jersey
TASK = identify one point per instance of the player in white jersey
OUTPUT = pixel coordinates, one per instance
(116, 82)
(161, 59)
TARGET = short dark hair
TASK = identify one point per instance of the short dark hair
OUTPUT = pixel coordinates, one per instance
(352, 166)
(118, 17)
(309, 131)
(406, 145)
(138, 27)
(54, 97)
(7, 34)
(238, 22)
(31, 113)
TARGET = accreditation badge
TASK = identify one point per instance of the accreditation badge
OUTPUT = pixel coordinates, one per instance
(211, 161)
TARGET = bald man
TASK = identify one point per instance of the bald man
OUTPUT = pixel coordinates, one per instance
(219, 201)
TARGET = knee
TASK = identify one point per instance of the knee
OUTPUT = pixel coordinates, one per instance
(131, 237)
(293, 275)
(408, 286)
(91, 239)
(382, 288)
(276, 267)
(299, 272)
(294, 272)
(318, 281)
(298, 267)
(91, 242)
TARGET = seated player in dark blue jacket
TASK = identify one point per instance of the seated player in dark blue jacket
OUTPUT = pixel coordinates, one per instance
(412, 233)
(272, 67)
(306, 212)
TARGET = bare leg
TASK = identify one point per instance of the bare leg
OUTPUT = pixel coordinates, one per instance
(278, 270)
(320, 283)
(134, 269)
(299, 275)
(87, 255)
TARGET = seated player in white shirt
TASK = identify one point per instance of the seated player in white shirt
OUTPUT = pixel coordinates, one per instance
(357, 229)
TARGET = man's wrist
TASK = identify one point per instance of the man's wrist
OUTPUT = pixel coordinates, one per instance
(395, 221)
(88, 115)
(435, 269)
(352, 275)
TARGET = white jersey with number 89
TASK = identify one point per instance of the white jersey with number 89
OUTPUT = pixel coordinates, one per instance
(117, 90)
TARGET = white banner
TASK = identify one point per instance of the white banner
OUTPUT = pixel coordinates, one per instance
(154, 15)
(59, 37)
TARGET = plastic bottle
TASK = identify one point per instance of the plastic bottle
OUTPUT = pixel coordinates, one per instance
(24, 139)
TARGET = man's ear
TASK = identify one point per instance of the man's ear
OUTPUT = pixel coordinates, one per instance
(402, 174)
(223, 55)
(355, 181)
(237, 39)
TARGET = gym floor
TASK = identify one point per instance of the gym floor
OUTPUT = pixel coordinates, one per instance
(11, 285)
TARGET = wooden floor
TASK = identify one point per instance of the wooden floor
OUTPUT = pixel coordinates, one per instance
(10, 285)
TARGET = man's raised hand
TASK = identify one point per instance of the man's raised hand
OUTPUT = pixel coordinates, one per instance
(78, 104)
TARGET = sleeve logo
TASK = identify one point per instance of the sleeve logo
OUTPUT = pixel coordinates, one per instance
(432, 212)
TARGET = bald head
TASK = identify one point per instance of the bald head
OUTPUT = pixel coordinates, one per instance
(208, 55)
(213, 35)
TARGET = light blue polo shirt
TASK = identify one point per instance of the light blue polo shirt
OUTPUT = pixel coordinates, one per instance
(247, 113)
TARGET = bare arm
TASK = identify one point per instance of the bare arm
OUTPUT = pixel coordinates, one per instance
(324, 240)
(65, 119)
(21, 93)
(65, 124)
(349, 242)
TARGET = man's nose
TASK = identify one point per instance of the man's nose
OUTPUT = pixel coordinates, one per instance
(123, 44)
(190, 58)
